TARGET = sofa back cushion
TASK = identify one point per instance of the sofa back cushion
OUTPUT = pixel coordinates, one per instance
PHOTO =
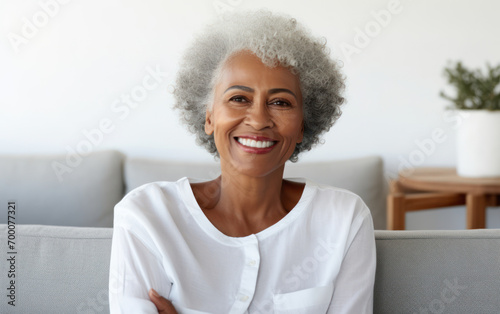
(139, 171)
(62, 190)
(363, 176)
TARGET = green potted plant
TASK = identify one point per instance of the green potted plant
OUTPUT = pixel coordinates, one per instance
(477, 96)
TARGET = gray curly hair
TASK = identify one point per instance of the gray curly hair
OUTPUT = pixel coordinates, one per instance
(276, 40)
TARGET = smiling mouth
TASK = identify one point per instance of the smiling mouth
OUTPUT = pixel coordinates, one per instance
(248, 142)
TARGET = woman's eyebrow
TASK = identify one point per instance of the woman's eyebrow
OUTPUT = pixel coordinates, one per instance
(271, 91)
(282, 90)
(245, 88)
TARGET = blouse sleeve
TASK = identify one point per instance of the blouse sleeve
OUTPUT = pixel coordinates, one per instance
(134, 269)
(354, 285)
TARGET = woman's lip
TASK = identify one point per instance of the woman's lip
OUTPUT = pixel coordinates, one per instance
(257, 138)
(255, 150)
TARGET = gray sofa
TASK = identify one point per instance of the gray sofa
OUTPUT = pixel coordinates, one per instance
(62, 236)
(65, 270)
(81, 191)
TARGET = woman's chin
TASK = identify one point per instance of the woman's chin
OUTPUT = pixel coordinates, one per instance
(251, 166)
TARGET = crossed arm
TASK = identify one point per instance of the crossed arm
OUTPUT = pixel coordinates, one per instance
(163, 305)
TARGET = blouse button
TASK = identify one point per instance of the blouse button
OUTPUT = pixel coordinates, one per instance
(244, 298)
(252, 262)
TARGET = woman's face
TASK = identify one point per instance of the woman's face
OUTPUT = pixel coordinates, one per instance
(257, 115)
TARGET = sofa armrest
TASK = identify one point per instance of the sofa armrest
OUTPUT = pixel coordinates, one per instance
(454, 271)
(57, 269)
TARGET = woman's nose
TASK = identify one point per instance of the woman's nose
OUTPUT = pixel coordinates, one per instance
(258, 115)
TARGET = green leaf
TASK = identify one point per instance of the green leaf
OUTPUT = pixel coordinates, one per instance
(473, 88)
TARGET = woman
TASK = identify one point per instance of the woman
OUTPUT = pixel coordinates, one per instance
(257, 89)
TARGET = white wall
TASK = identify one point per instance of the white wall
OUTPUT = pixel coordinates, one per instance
(63, 77)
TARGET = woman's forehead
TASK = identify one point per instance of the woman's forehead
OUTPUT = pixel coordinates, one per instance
(246, 68)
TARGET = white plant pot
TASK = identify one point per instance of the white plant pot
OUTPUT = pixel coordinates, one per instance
(478, 144)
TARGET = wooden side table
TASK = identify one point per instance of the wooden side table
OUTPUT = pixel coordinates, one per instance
(428, 188)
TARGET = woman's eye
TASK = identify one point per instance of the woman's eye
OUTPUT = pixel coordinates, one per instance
(281, 103)
(238, 99)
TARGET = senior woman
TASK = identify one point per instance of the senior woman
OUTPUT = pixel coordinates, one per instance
(257, 89)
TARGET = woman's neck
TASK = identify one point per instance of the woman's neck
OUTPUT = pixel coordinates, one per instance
(239, 204)
(251, 197)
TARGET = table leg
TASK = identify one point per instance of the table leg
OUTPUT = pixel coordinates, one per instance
(476, 211)
(396, 212)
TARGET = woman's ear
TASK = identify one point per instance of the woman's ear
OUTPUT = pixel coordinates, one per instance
(209, 128)
(301, 137)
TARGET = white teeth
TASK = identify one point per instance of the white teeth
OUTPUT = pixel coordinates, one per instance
(253, 143)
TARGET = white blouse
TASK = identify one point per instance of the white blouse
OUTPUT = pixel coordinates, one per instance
(319, 258)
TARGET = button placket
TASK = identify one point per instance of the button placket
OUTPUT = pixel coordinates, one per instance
(248, 277)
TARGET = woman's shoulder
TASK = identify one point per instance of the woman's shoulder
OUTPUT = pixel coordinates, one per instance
(332, 190)
(335, 200)
(149, 200)
(146, 190)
